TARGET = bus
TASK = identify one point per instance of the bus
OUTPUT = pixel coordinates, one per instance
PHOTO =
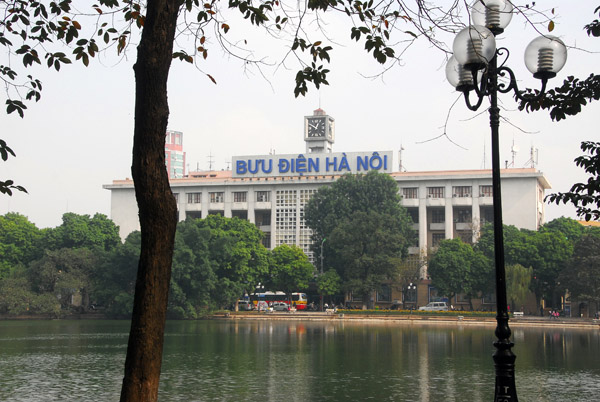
(299, 300)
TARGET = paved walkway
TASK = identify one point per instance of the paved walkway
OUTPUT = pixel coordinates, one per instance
(407, 318)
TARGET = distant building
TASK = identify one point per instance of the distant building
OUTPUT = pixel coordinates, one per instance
(272, 190)
(174, 155)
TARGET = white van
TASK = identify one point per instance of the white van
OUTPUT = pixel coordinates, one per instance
(435, 306)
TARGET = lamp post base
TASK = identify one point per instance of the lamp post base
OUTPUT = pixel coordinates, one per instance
(504, 361)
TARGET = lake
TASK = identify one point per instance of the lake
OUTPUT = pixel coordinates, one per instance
(252, 360)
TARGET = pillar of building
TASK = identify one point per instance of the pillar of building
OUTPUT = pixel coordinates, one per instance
(250, 199)
(448, 216)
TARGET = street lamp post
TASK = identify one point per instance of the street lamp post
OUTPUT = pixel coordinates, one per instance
(259, 289)
(321, 301)
(410, 289)
(474, 67)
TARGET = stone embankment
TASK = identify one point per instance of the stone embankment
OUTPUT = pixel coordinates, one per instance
(409, 319)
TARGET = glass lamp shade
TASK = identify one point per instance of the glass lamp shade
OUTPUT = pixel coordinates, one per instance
(545, 56)
(458, 76)
(492, 14)
(474, 46)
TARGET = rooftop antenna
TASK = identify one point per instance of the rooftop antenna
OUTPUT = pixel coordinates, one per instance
(228, 164)
(533, 157)
(483, 162)
(513, 150)
(400, 166)
(210, 161)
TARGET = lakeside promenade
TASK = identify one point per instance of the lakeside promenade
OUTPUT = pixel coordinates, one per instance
(403, 319)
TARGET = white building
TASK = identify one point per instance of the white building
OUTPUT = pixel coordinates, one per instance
(271, 191)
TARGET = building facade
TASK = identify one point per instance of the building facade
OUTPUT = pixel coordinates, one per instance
(174, 155)
(272, 190)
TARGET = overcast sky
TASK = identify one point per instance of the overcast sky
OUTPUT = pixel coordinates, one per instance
(79, 136)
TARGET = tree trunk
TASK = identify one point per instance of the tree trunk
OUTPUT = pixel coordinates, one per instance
(157, 207)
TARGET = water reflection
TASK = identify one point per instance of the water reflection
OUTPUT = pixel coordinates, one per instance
(296, 361)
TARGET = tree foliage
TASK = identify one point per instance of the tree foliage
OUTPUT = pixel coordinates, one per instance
(329, 283)
(7, 186)
(546, 251)
(367, 230)
(63, 273)
(290, 270)
(518, 280)
(581, 276)
(20, 243)
(77, 231)
(216, 261)
(584, 196)
(456, 268)
(568, 99)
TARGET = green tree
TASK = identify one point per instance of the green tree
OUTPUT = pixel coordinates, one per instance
(113, 282)
(329, 283)
(581, 275)
(63, 273)
(194, 279)
(20, 243)
(290, 270)
(76, 231)
(518, 279)
(216, 260)
(545, 251)
(367, 230)
(17, 298)
(456, 268)
(570, 228)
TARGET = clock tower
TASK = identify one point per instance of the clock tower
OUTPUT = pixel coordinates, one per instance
(319, 132)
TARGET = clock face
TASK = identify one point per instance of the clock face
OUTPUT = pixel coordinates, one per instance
(315, 127)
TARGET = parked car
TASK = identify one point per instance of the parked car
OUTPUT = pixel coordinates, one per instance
(280, 306)
(435, 306)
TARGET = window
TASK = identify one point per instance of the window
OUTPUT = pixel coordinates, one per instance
(436, 238)
(285, 217)
(410, 193)
(194, 198)
(176, 197)
(463, 216)
(487, 215)
(435, 192)
(239, 196)
(414, 214)
(216, 197)
(263, 196)
(434, 295)
(438, 216)
(486, 191)
(384, 294)
(462, 191)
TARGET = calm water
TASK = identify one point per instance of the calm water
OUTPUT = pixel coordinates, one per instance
(296, 361)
